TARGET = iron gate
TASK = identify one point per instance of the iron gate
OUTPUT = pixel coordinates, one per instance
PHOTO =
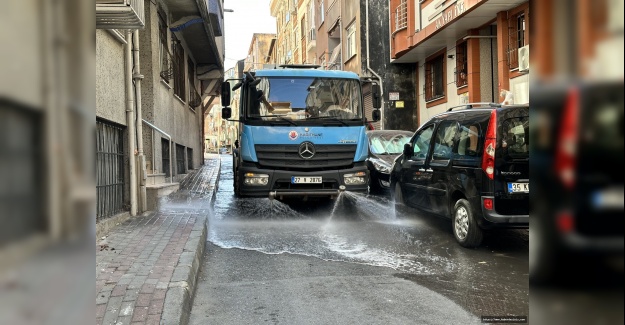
(110, 180)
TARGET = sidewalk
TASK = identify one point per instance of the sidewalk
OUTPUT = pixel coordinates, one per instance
(146, 268)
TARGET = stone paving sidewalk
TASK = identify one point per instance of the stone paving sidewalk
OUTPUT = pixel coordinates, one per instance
(146, 268)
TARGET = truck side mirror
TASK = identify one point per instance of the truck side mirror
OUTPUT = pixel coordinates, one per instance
(225, 94)
(376, 96)
(407, 150)
(226, 113)
(376, 115)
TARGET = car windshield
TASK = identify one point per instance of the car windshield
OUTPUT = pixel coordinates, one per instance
(303, 98)
(388, 143)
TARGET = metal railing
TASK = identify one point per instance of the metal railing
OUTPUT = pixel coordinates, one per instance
(167, 65)
(110, 180)
(401, 15)
(154, 128)
(195, 99)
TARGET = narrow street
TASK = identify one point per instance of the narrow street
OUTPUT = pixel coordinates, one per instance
(352, 260)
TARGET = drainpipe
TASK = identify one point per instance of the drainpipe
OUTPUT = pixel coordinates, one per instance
(371, 70)
(130, 121)
(341, 34)
(137, 76)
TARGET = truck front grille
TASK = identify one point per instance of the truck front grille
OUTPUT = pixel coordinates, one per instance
(286, 157)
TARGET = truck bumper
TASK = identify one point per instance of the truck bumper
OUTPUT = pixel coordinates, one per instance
(279, 184)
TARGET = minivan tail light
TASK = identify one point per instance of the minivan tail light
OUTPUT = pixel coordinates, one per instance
(566, 151)
(490, 142)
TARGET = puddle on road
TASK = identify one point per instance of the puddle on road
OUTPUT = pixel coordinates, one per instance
(355, 228)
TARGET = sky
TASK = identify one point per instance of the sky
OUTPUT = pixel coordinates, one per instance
(249, 17)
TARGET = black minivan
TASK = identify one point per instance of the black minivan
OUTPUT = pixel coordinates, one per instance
(470, 165)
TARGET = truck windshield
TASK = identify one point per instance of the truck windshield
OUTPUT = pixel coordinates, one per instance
(303, 98)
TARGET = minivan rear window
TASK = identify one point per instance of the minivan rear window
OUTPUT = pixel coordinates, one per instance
(515, 133)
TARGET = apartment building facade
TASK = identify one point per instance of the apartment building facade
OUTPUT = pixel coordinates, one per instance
(462, 51)
(344, 35)
(153, 89)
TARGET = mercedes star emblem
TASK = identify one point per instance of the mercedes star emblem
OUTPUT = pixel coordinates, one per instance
(306, 150)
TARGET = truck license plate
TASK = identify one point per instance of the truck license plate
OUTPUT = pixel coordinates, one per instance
(518, 187)
(305, 180)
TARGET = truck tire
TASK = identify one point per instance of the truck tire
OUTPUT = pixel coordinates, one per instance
(235, 177)
(466, 231)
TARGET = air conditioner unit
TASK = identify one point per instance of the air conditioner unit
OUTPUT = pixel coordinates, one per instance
(524, 59)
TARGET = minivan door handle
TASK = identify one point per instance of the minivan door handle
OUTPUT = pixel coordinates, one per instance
(421, 169)
(429, 170)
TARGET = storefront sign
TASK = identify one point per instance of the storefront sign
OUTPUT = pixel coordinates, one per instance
(393, 96)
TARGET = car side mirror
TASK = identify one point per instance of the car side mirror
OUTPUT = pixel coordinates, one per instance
(407, 150)
(376, 96)
(226, 113)
(376, 115)
(225, 94)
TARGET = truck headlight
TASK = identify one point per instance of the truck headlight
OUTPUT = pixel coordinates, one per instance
(359, 178)
(252, 179)
(384, 169)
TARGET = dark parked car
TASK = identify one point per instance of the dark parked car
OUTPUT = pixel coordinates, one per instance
(470, 165)
(577, 176)
(384, 147)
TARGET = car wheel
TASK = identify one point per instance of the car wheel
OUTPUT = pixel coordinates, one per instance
(542, 253)
(467, 232)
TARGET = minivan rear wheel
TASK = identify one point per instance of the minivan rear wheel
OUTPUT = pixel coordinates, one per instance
(467, 232)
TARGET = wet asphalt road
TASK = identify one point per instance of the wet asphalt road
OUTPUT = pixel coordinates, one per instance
(351, 261)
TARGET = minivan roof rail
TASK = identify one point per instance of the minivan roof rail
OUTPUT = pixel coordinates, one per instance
(472, 105)
(299, 66)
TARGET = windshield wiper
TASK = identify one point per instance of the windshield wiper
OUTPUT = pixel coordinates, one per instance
(280, 117)
(334, 119)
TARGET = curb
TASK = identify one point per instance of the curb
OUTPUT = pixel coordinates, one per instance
(181, 289)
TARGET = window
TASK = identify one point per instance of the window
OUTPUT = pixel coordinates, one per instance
(287, 17)
(179, 80)
(461, 65)
(444, 141)
(322, 15)
(516, 38)
(351, 40)
(434, 77)
(311, 16)
(421, 143)
(468, 136)
(166, 67)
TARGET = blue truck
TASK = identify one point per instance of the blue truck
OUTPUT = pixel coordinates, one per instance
(302, 132)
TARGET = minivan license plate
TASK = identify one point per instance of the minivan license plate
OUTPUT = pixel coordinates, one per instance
(518, 187)
(306, 180)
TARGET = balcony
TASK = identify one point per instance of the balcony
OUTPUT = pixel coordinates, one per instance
(401, 16)
(200, 24)
(119, 14)
(311, 42)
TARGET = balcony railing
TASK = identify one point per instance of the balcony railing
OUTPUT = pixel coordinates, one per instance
(401, 16)
(119, 14)
(312, 34)
(195, 100)
(167, 65)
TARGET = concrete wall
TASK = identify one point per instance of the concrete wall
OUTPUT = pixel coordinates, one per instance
(399, 78)
(160, 106)
(111, 82)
